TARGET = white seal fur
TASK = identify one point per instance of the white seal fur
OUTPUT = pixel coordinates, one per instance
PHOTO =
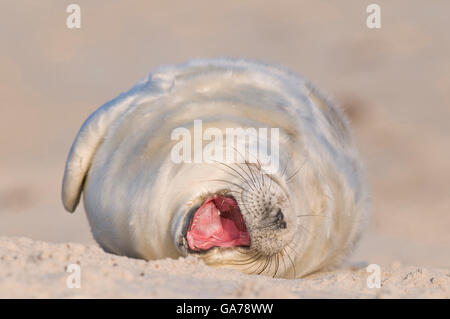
(140, 203)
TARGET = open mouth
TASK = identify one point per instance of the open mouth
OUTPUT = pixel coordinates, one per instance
(218, 222)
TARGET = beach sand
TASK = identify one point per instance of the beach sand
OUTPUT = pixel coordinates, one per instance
(36, 269)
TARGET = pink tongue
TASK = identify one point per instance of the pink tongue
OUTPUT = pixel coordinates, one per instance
(213, 227)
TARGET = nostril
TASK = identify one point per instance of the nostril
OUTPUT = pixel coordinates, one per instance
(279, 215)
(280, 219)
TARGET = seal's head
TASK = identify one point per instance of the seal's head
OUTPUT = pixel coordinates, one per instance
(248, 224)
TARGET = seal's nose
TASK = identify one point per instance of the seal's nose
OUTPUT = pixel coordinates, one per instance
(280, 219)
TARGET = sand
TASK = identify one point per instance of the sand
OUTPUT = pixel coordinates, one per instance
(36, 269)
(392, 82)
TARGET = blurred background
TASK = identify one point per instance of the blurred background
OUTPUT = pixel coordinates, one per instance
(393, 82)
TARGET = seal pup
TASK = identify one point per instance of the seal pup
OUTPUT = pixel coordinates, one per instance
(147, 197)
